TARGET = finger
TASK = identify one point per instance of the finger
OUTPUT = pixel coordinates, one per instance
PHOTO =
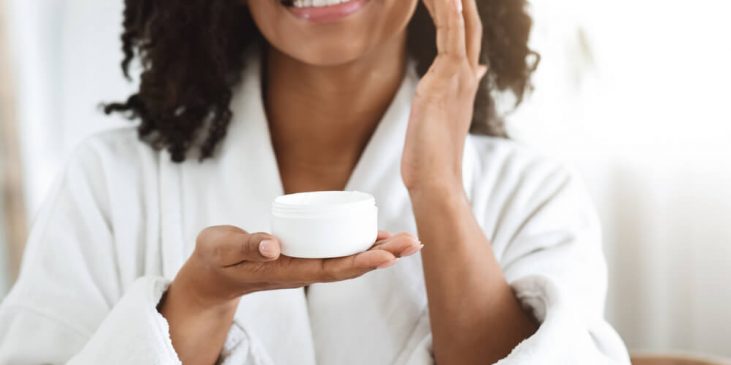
(451, 47)
(228, 245)
(255, 247)
(429, 4)
(450, 26)
(401, 245)
(382, 235)
(473, 32)
(268, 246)
(287, 269)
(353, 266)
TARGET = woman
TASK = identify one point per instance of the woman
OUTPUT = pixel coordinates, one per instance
(159, 255)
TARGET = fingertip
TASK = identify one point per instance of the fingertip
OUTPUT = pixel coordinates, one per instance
(481, 71)
(413, 237)
(412, 250)
(269, 248)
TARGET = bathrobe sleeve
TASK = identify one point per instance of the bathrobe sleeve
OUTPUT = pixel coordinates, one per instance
(82, 296)
(546, 236)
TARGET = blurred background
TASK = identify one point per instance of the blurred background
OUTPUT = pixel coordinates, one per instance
(633, 93)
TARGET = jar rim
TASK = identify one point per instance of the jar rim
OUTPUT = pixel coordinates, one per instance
(322, 201)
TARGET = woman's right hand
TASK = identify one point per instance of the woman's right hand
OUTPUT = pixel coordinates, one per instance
(229, 262)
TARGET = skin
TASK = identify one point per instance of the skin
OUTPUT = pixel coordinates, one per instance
(346, 77)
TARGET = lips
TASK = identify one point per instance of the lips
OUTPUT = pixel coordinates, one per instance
(323, 11)
(312, 3)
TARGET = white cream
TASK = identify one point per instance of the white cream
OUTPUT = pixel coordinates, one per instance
(316, 3)
(325, 223)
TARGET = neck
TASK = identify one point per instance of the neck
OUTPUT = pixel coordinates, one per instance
(323, 116)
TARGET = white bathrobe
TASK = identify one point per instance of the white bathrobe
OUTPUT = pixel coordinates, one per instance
(123, 218)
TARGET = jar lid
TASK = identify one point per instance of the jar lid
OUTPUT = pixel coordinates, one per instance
(319, 202)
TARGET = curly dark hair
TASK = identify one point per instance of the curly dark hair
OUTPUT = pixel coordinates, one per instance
(180, 109)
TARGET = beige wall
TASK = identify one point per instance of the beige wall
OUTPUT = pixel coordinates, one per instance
(13, 214)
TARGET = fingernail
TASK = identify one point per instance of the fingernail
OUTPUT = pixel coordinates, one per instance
(268, 248)
(388, 264)
(412, 250)
(458, 5)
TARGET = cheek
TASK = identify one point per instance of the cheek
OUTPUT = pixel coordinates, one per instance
(270, 19)
(332, 43)
(397, 15)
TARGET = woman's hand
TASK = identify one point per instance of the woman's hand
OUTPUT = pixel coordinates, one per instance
(432, 171)
(228, 262)
(442, 108)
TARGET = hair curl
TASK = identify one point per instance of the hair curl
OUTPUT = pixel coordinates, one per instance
(180, 108)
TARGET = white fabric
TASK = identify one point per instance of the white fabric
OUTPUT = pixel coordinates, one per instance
(122, 219)
(642, 110)
(630, 106)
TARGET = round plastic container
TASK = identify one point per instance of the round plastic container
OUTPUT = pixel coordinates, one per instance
(325, 224)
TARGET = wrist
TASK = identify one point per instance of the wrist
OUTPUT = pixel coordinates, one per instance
(197, 325)
(180, 302)
(437, 191)
(197, 293)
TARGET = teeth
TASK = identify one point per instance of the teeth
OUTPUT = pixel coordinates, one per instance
(316, 3)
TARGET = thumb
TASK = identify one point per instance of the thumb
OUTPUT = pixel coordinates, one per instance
(481, 71)
(228, 246)
(261, 247)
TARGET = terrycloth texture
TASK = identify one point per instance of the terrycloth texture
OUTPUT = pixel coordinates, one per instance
(123, 219)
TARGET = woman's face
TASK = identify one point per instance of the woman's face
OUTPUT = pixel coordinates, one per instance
(334, 34)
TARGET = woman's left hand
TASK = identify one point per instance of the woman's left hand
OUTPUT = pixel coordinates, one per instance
(442, 108)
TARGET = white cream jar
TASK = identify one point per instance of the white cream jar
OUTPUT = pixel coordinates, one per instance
(325, 224)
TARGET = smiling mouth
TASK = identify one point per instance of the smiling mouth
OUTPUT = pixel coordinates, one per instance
(323, 11)
(312, 3)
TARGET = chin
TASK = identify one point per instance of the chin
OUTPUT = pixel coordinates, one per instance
(330, 32)
(325, 52)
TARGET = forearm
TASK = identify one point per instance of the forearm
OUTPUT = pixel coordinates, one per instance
(474, 315)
